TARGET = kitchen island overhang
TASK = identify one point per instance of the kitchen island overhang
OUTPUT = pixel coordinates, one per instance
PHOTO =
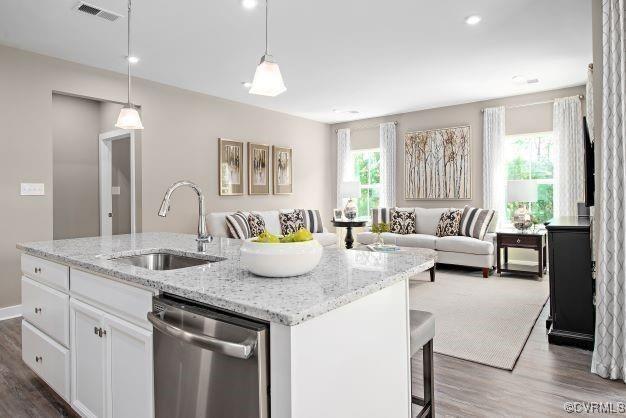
(339, 336)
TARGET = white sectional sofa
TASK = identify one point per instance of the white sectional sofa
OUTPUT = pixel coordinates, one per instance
(216, 224)
(459, 250)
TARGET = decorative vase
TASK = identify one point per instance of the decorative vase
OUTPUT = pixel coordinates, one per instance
(521, 218)
(379, 240)
(350, 210)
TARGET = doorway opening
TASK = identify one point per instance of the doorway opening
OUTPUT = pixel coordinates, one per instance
(96, 185)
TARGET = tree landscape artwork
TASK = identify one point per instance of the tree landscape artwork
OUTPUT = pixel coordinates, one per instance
(437, 164)
(258, 168)
(230, 167)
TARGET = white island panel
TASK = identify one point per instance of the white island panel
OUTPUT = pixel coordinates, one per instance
(353, 361)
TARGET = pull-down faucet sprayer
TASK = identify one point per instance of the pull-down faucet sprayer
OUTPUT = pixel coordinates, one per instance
(203, 235)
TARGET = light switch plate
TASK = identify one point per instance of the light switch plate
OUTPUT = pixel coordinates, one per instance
(115, 190)
(32, 189)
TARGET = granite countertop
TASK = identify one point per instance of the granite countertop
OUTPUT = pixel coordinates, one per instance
(341, 277)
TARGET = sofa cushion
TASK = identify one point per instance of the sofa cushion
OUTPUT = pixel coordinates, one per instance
(427, 219)
(313, 220)
(461, 244)
(291, 222)
(238, 226)
(402, 221)
(257, 224)
(475, 222)
(325, 238)
(449, 223)
(416, 240)
(380, 215)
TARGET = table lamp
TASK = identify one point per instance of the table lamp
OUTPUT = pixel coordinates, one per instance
(350, 190)
(522, 192)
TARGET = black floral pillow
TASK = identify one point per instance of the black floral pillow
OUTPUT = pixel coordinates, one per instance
(257, 224)
(403, 221)
(449, 223)
(291, 221)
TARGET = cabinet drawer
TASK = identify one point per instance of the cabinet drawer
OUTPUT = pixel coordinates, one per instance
(126, 301)
(47, 358)
(48, 272)
(47, 309)
(520, 240)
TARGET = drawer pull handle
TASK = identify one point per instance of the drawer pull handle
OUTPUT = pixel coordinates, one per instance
(38, 359)
(37, 269)
(37, 310)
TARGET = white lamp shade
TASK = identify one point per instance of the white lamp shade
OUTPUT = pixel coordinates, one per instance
(522, 191)
(129, 119)
(351, 189)
(267, 79)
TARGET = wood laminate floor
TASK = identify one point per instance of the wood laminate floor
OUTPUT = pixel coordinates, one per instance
(544, 378)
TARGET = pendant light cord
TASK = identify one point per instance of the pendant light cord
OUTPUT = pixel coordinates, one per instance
(128, 56)
(267, 6)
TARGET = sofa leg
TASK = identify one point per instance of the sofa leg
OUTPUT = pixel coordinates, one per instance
(486, 272)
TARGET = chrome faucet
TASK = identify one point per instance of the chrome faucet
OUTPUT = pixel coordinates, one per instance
(203, 235)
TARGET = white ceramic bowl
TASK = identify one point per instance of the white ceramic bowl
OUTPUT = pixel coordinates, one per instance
(280, 260)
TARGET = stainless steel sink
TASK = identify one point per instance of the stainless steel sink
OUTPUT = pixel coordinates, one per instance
(164, 261)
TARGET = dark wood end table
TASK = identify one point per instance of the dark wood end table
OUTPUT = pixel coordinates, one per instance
(349, 224)
(532, 240)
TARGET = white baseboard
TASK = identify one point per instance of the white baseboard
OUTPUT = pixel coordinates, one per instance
(10, 312)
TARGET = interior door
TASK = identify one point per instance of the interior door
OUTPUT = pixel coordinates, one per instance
(129, 370)
(88, 359)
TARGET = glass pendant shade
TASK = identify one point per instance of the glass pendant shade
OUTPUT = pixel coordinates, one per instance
(129, 118)
(267, 78)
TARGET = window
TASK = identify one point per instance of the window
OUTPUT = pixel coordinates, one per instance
(529, 157)
(366, 165)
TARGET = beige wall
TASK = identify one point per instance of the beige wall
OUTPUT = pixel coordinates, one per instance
(520, 120)
(179, 142)
(75, 129)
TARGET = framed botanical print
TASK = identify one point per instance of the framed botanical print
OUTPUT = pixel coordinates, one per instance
(258, 168)
(230, 167)
(282, 166)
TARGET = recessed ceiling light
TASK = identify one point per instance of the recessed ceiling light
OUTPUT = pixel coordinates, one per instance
(522, 79)
(249, 4)
(133, 59)
(473, 19)
(351, 111)
(246, 84)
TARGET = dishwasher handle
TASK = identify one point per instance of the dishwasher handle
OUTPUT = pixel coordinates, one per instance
(243, 350)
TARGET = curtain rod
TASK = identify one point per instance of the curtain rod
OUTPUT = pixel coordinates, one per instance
(580, 96)
(360, 128)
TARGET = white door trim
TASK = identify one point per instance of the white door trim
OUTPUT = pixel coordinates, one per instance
(10, 312)
(105, 162)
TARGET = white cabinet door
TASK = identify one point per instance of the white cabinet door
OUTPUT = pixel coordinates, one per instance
(88, 359)
(129, 370)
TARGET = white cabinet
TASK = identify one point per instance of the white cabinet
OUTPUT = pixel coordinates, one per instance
(88, 350)
(111, 364)
(47, 309)
(129, 369)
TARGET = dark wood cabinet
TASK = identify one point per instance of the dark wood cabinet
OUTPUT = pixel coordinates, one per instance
(572, 312)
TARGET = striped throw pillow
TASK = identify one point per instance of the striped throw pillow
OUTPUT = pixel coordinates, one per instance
(382, 215)
(313, 220)
(475, 221)
(238, 226)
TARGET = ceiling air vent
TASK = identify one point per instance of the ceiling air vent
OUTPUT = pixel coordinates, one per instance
(90, 9)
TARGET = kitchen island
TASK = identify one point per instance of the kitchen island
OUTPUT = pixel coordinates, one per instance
(338, 336)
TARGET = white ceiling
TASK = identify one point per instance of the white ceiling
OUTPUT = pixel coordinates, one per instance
(377, 57)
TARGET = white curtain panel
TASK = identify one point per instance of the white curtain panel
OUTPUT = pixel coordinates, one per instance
(344, 164)
(387, 165)
(589, 103)
(494, 185)
(568, 151)
(609, 354)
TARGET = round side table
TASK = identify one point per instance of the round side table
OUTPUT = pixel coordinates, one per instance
(349, 224)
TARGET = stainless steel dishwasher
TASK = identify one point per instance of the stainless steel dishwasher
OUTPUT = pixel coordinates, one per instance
(208, 363)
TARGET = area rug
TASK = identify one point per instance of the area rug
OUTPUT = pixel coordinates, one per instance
(486, 321)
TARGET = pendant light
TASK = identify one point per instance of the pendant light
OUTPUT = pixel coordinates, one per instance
(267, 79)
(129, 117)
